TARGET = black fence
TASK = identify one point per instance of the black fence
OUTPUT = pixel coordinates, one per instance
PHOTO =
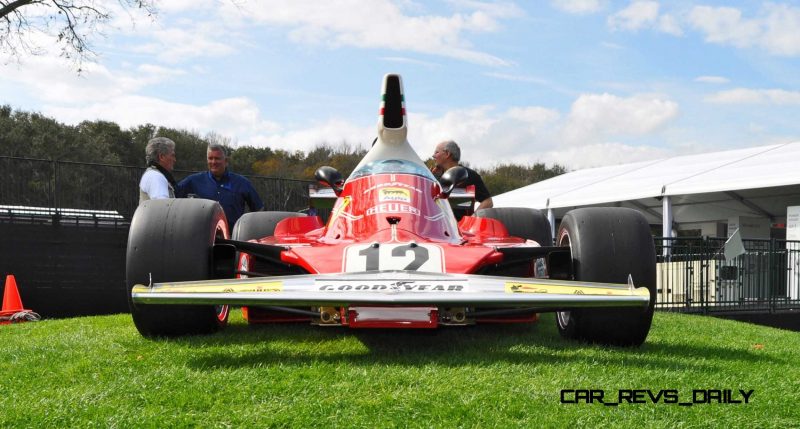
(59, 185)
(694, 275)
(64, 230)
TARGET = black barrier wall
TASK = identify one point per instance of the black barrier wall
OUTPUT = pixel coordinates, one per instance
(65, 271)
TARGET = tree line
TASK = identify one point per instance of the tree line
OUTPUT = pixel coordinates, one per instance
(33, 135)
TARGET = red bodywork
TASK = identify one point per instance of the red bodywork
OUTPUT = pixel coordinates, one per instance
(392, 210)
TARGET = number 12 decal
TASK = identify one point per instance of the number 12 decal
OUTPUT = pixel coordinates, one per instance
(411, 257)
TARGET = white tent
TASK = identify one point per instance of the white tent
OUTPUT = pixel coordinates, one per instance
(759, 182)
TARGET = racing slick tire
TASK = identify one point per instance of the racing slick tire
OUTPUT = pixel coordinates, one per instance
(607, 245)
(171, 240)
(255, 225)
(522, 222)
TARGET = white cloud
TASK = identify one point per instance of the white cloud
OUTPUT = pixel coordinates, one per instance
(174, 45)
(379, 24)
(595, 117)
(712, 79)
(518, 78)
(781, 35)
(755, 96)
(239, 117)
(669, 24)
(724, 25)
(644, 14)
(55, 82)
(332, 131)
(775, 29)
(580, 7)
(600, 154)
(637, 15)
(526, 135)
(186, 5)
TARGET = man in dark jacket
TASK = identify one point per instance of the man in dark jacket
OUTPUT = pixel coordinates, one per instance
(446, 155)
(231, 190)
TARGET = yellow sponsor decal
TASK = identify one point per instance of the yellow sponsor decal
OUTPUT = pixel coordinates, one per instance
(186, 287)
(394, 194)
(338, 211)
(518, 287)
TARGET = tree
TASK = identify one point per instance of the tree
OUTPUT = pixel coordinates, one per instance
(71, 22)
(506, 177)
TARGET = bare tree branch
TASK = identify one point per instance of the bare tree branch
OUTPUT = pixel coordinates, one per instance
(72, 23)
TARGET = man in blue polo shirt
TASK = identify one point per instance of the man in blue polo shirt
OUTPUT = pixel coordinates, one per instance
(231, 190)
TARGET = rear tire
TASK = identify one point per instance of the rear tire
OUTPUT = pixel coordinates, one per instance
(522, 222)
(171, 240)
(607, 245)
(256, 225)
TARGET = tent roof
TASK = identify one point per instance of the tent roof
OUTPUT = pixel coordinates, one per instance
(735, 182)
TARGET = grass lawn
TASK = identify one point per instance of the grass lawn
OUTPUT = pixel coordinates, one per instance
(98, 371)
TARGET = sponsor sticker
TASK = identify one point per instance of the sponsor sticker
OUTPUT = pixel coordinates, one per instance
(266, 286)
(392, 286)
(392, 208)
(394, 194)
(517, 287)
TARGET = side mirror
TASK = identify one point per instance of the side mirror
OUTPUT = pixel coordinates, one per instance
(331, 177)
(451, 178)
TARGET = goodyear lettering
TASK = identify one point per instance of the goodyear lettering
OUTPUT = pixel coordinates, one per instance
(422, 287)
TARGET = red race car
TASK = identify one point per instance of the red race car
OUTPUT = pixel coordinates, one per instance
(391, 256)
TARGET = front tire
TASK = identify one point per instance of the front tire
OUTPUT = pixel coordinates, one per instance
(171, 240)
(608, 245)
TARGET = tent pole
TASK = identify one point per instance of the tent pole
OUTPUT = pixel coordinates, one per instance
(666, 230)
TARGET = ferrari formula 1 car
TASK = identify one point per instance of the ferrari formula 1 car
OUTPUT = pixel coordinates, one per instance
(391, 255)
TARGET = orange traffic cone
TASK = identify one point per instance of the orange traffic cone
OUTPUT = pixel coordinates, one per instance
(12, 310)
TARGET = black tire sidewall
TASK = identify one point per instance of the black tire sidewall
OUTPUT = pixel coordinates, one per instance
(608, 245)
(171, 240)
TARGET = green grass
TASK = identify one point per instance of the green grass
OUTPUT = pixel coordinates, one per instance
(98, 371)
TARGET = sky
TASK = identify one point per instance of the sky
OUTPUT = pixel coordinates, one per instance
(579, 83)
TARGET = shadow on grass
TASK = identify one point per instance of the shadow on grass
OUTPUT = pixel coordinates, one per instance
(484, 344)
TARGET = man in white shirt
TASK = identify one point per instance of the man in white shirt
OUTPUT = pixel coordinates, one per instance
(157, 181)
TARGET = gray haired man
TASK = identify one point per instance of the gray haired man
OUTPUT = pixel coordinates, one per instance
(157, 181)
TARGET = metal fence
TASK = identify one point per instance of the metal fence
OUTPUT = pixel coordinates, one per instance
(59, 185)
(695, 276)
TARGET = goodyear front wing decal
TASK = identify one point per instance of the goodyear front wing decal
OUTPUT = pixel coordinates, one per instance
(394, 288)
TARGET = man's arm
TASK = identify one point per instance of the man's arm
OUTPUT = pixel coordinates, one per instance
(485, 204)
(183, 188)
(254, 202)
(482, 193)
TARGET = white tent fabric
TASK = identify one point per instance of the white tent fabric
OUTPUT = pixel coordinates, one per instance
(758, 181)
